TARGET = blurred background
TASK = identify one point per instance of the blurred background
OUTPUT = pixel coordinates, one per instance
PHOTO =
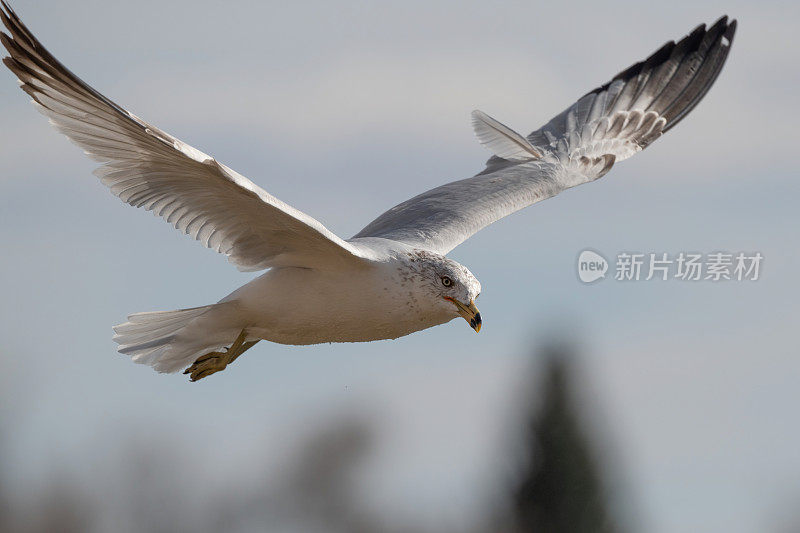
(621, 407)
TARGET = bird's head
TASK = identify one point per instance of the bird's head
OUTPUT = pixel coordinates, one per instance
(447, 286)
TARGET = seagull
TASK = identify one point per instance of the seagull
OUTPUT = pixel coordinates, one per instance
(391, 279)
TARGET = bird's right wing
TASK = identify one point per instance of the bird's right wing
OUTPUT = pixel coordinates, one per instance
(146, 167)
(579, 145)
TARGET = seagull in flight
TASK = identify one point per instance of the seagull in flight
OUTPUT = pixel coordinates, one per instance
(392, 278)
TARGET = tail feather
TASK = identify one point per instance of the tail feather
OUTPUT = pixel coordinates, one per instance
(151, 338)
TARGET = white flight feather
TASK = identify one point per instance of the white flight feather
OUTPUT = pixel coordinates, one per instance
(502, 140)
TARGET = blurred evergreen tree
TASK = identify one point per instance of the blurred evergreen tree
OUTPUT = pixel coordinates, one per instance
(5, 507)
(559, 489)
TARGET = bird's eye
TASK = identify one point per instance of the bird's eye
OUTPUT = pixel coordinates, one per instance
(446, 281)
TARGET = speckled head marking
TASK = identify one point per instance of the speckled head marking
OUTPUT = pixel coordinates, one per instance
(444, 284)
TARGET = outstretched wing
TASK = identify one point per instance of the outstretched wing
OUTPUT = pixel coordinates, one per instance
(149, 168)
(609, 124)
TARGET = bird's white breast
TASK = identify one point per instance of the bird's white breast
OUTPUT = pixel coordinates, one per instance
(308, 306)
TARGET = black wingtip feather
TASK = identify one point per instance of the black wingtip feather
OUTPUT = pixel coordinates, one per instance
(676, 101)
(715, 53)
(731, 31)
(690, 41)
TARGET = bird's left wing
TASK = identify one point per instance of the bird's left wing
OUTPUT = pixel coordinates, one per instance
(581, 144)
(149, 168)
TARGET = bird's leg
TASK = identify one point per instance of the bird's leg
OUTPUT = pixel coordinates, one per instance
(245, 346)
(213, 362)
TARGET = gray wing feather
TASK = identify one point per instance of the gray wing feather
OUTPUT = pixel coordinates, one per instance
(440, 219)
(581, 144)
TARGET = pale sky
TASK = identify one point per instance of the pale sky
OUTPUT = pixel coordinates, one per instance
(343, 110)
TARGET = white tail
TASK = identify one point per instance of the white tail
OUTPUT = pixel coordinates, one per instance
(155, 339)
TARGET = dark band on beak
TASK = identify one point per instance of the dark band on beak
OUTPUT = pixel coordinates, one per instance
(475, 322)
(469, 312)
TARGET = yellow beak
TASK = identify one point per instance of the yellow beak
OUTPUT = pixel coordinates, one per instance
(469, 312)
